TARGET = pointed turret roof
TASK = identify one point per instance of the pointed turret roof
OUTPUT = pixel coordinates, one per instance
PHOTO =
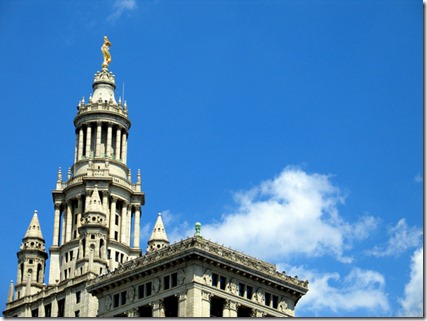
(158, 238)
(95, 204)
(34, 230)
(159, 232)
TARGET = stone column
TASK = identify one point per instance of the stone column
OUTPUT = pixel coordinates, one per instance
(112, 216)
(88, 139)
(124, 147)
(158, 309)
(230, 309)
(69, 221)
(55, 241)
(182, 297)
(132, 313)
(109, 147)
(105, 203)
(123, 223)
(118, 142)
(41, 310)
(137, 227)
(80, 149)
(64, 213)
(54, 308)
(79, 212)
(98, 139)
(76, 148)
(206, 305)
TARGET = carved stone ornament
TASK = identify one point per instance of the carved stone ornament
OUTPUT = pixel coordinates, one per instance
(130, 294)
(181, 276)
(233, 286)
(206, 295)
(156, 285)
(259, 296)
(107, 302)
(207, 277)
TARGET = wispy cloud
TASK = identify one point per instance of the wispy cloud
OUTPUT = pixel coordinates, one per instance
(418, 178)
(120, 7)
(295, 213)
(331, 294)
(412, 303)
(401, 239)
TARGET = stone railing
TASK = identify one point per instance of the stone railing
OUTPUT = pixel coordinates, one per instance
(103, 106)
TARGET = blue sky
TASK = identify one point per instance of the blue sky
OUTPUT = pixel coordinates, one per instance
(292, 130)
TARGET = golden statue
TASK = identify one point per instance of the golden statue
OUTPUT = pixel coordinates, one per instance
(106, 52)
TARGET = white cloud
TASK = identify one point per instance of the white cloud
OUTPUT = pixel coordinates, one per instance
(293, 214)
(412, 303)
(418, 178)
(330, 294)
(120, 7)
(401, 239)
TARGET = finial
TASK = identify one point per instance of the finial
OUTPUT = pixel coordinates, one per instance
(35, 212)
(139, 176)
(129, 175)
(69, 173)
(159, 214)
(59, 175)
(90, 98)
(198, 227)
(106, 52)
(120, 101)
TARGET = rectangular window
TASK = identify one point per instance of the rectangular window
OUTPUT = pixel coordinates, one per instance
(215, 279)
(35, 313)
(48, 310)
(140, 291)
(61, 308)
(249, 291)
(116, 300)
(71, 255)
(108, 254)
(123, 297)
(116, 220)
(78, 293)
(121, 257)
(222, 282)
(166, 282)
(77, 313)
(241, 289)
(267, 299)
(116, 235)
(148, 288)
(275, 301)
(66, 257)
(174, 279)
(117, 256)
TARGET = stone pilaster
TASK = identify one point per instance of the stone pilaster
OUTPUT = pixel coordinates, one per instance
(112, 216)
(137, 226)
(118, 143)
(98, 139)
(88, 139)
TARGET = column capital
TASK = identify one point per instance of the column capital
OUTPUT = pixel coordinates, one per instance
(206, 295)
(57, 205)
(114, 198)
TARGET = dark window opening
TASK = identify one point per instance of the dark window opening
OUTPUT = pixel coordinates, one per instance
(267, 298)
(116, 235)
(222, 282)
(166, 280)
(215, 279)
(116, 300)
(123, 297)
(148, 288)
(217, 306)
(249, 292)
(171, 306)
(61, 308)
(108, 254)
(145, 311)
(174, 278)
(140, 291)
(244, 312)
(78, 293)
(77, 313)
(48, 310)
(117, 256)
(35, 313)
(241, 289)
(275, 301)
(116, 221)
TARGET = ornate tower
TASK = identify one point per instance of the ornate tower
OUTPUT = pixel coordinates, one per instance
(31, 261)
(98, 208)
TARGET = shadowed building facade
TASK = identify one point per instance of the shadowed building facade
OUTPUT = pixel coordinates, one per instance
(97, 267)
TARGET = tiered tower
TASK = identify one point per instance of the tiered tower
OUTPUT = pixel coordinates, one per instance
(98, 209)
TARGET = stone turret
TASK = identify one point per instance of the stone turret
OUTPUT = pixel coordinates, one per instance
(158, 239)
(31, 261)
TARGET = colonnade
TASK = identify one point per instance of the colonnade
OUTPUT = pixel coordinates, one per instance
(90, 140)
(68, 219)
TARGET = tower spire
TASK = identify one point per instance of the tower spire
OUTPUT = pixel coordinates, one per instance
(158, 238)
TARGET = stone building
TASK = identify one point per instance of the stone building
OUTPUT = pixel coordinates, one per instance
(97, 267)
